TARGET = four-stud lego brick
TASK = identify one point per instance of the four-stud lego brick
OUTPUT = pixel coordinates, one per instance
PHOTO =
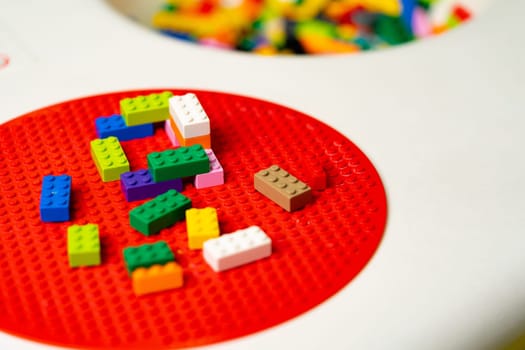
(83, 245)
(189, 116)
(237, 248)
(201, 224)
(115, 126)
(139, 184)
(283, 188)
(214, 177)
(109, 158)
(178, 163)
(55, 198)
(146, 255)
(157, 278)
(145, 109)
(204, 140)
(160, 212)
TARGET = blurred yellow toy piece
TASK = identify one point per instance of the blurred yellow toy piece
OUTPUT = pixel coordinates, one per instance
(297, 10)
(318, 44)
(388, 7)
(157, 278)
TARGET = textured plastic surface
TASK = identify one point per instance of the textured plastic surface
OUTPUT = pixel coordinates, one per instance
(42, 298)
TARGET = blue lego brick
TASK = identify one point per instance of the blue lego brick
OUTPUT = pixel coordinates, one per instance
(408, 7)
(55, 198)
(115, 126)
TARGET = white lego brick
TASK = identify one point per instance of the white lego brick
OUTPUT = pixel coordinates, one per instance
(237, 248)
(189, 116)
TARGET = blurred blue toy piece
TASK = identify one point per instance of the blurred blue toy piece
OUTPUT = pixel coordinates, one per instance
(115, 126)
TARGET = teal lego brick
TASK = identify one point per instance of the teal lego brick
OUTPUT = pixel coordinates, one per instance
(83, 245)
(159, 213)
(146, 255)
(176, 163)
(145, 109)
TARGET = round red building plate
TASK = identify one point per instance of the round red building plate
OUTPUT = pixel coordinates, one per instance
(316, 250)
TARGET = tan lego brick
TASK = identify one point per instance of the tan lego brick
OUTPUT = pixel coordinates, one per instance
(283, 188)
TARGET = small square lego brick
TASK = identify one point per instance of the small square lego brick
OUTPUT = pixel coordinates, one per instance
(157, 278)
(55, 198)
(204, 140)
(171, 134)
(160, 212)
(139, 184)
(83, 245)
(145, 109)
(146, 255)
(178, 163)
(282, 188)
(189, 116)
(237, 248)
(201, 225)
(214, 177)
(109, 158)
(115, 126)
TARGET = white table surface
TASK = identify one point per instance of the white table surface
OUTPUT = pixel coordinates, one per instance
(443, 120)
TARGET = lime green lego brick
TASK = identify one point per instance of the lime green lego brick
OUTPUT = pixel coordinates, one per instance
(177, 163)
(147, 255)
(145, 109)
(160, 212)
(83, 245)
(109, 158)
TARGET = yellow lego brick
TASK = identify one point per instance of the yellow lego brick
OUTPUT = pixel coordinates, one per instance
(157, 278)
(201, 224)
(109, 158)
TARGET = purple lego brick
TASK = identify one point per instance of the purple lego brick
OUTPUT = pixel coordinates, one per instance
(139, 184)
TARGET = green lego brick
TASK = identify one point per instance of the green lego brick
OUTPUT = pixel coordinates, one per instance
(83, 245)
(176, 163)
(392, 30)
(109, 158)
(145, 109)
(147, 255)
(160, 212)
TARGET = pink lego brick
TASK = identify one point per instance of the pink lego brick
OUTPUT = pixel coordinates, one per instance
(421, 23)
(171, 134)
(213, 178)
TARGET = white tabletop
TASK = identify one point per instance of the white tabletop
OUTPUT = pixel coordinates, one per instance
(442, 120)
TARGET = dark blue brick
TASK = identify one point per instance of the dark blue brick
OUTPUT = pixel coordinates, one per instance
(115, 126)
(55, 198)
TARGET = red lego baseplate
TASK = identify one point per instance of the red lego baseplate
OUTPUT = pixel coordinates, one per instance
(316, 250)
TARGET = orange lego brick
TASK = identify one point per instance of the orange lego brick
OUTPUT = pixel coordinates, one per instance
(204, 140)
(157, 278)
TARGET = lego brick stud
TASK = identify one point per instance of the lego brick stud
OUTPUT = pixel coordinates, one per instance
(115, 126)
(177, 163)
(157, 278)
(109, 158)
(201, 224)
(146, 255)
(83, 245)
(139, 184)
(55, 198)
(145, 109)
(189, 116)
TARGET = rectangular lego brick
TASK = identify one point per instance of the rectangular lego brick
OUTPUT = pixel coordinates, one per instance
(283, 188)
(237, 248)
(214, 177)
(201, 225)
(55, 198)
(137, 185)
(146, 255)
(171, 134)
(204, 140)
(157, 278)
(189, 116)
(145, 109)
(83, 245)
(115, 126)
(109, 158)
(159, 213)
(177, 163)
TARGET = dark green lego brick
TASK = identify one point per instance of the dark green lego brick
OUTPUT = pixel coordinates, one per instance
(160, 212)
(392, 30)
(147, 255)
(177, 163)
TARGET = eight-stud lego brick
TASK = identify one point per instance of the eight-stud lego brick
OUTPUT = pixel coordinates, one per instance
(145, 109)
(214, 177)
(109, 158)
(55, 198)
(178, 163)
(189, 116)
(139, 184)
(237, 248)
(204, 140)
(160, 212)
(283, 188)
(146, 255)
(83, 245)
(201, 224)
(157, 278)
(115, 126)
